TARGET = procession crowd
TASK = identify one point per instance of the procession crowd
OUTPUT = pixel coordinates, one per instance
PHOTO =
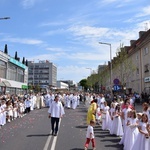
(121, 119)
(17, 106)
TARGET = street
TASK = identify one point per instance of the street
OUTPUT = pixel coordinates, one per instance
(33, 132)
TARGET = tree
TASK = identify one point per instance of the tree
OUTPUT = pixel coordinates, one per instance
(23, 60)
(26, 62)
(123, 66)
(16, 55)
(84, 84)
(104, 76)
(6, 49)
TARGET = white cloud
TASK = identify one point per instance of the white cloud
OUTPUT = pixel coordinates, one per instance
(73, 72)
(86, 56)
(144, 12)
(52, 24)
(29, 3)
(23, 40)
(54, 32)
(88, 31)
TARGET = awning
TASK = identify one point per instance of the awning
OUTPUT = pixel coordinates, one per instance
(2, 84)
(6, 83)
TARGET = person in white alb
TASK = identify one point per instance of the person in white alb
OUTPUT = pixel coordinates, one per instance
(56, 111)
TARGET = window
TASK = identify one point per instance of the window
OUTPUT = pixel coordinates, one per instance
(2, 69)
(137, 71)
(137, 57)
(146, 68)
(12, 71)
(146, 50)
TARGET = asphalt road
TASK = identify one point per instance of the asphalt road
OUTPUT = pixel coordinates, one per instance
(32, 132)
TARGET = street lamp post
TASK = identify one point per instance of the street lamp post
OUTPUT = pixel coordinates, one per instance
(110, 64)
(4, 18)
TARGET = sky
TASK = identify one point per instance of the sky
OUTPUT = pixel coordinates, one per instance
(68, 32)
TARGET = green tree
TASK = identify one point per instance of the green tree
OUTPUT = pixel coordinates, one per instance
(123, 66)
(84, 84)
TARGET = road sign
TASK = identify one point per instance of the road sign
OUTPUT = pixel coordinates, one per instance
(116, 87)
(116, 81)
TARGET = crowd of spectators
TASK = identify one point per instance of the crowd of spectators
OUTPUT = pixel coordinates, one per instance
(16, 106)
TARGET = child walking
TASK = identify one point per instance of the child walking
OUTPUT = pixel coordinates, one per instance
(90, 135)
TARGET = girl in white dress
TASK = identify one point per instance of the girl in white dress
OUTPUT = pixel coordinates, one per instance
(147, 141)
(117, 128)
(9, 111)
(126, 128)
(139, 144)
(0, 116)
(15, 110)
(111, 113)
(132, 131)
(98, 115)
(146, 110)
(3, 112)
(21, 108)
(106, 118)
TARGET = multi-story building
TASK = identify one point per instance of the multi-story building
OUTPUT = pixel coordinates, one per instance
(42, 73)
(134, 76)
(72, 85)
(13, 75)
(140, 53)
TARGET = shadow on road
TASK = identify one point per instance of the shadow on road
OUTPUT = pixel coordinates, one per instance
(82, 126)
(32, 135)
(79, 149)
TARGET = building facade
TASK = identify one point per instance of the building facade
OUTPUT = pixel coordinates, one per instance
(13, 75)
(135, 74)
(42, 73)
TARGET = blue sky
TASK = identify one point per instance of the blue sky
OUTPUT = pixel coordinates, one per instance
(67, 32)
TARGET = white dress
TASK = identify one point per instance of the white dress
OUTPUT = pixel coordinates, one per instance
(106, 120)
(98, 113)
(131, 134)
(117, 128)
(3, 114)
(147, 143)
(111, 112)
(0, 116)
(139, 144)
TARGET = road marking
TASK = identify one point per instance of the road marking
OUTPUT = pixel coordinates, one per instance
(47, 142)
(55, 139)
(53, 142)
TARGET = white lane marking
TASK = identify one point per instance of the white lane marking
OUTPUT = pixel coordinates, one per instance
(47, 142)
(55, 138)
(53, 142)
